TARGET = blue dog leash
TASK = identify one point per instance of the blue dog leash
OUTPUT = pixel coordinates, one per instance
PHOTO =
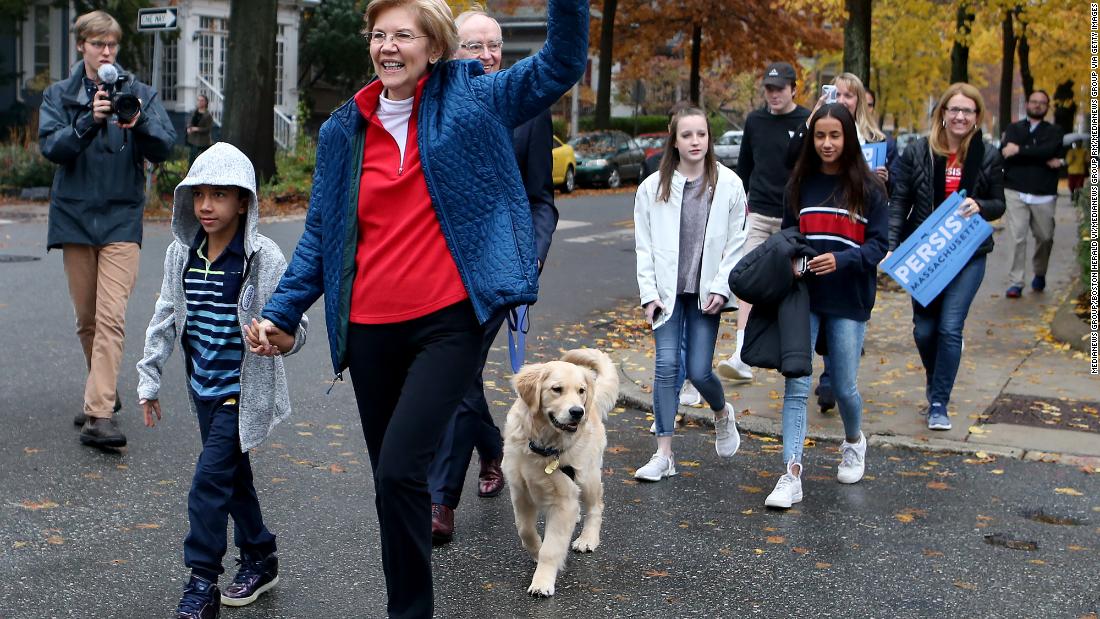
(518, 325)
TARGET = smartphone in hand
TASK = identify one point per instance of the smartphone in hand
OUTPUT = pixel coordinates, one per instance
(829, 92)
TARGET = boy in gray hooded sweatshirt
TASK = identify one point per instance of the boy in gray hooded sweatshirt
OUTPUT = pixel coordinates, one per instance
(218, 274)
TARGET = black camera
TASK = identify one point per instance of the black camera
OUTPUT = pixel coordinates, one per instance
(124, 104)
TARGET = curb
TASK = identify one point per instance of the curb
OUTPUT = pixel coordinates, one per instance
(631, 395)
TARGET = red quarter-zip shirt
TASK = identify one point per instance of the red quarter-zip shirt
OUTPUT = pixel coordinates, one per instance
(404, 269)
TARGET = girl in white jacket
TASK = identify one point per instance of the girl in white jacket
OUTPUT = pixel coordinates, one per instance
(689, 226)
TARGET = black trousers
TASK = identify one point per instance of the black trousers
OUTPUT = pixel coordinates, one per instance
(222, 487)
(472, 426)
(409, 378)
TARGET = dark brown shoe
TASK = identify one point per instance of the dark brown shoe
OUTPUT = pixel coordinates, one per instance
(102, 432)
(80, 419)
(443, 524)
(490, 481)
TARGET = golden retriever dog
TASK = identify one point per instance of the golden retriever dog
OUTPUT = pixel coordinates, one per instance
(553, 455)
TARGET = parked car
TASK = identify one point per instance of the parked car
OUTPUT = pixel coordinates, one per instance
(607, 158)
(653, 143)
(728, 148)
(565, 166)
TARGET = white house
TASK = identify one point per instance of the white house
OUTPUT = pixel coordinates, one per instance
(192, 60)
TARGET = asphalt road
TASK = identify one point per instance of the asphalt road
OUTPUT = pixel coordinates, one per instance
(87, 533)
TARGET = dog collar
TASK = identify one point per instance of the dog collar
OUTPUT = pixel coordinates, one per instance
(546, 452)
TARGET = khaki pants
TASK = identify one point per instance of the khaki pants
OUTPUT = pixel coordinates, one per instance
(1039, 219)
(100, 281)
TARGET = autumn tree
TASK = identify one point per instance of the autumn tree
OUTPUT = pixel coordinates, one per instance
(607, 46)
(249, 117)
(733, 35)
(960, 50)
(857, 39)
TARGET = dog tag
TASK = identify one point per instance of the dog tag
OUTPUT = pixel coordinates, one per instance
(550, 468)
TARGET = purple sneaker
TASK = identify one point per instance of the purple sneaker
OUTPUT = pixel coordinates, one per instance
(200, 600)
(257, 575)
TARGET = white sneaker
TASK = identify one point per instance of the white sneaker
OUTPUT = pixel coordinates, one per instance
(727, 440)
(734, 368)
(657, 468)
(788, 490)
(689, 395)
(852, 456)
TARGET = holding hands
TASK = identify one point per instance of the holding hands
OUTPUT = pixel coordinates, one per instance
(265, 339)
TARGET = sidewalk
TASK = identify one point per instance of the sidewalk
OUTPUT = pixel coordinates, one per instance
(1008, 351)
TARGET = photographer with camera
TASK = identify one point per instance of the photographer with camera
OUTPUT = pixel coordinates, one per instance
(99, 126)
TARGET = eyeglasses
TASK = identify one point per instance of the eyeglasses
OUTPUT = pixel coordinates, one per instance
(961, 111)
(99, 45)
(476, 47)
(401, 37)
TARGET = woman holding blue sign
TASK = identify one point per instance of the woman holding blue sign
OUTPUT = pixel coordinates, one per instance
(839, 206)
(952, 158)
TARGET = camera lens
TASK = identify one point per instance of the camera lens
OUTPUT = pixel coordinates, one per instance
(126, 106)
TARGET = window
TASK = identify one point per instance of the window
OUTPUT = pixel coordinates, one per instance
(212, 44)
(169, 71)
(280, 46)
(41, 41)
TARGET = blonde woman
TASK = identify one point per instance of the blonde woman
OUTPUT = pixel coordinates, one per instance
(413, 252)
(953, 157)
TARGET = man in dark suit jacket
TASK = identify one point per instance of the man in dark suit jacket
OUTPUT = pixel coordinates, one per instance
(472, 426)
(1033, 154)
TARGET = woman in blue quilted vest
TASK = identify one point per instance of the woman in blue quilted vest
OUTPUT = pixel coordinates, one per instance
(419, 229)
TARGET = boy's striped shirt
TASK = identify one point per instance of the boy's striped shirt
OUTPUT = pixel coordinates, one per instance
(212, 334)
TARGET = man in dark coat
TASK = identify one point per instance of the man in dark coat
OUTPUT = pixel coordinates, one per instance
(472, 426)
(1033, 155)
(96, 206)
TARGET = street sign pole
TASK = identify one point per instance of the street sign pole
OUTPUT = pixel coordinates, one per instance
(155, 21)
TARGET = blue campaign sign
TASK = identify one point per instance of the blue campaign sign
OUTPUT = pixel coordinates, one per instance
(875, 154)
(926, 262)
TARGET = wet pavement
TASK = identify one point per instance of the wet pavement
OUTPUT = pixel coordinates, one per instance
(87, 533)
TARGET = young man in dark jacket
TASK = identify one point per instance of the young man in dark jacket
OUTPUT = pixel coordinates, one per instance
(1033, 155)
(96, 206)
(472, 425)
(762, 167)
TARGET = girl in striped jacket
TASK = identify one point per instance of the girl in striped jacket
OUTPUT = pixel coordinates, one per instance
(840, 206)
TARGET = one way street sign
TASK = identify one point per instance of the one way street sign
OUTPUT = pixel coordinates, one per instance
(158, 19)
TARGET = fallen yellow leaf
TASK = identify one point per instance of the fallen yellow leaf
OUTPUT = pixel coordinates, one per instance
(147, 525)
(776, 539)
(821, 565)
(751, 489)
(969, 586)
(35, 506)
(1069, 492)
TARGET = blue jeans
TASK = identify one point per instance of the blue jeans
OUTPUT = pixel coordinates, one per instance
(694, 333)
(938, 330)
(844, 339)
